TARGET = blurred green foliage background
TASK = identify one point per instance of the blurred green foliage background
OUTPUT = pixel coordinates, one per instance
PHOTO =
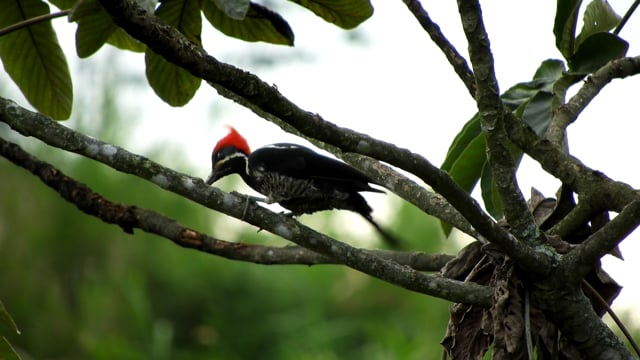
(82, 289)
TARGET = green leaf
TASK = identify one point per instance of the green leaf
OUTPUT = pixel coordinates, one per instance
(173, 84)
(537, 112)
(467, 166)
(6, 350)
(465, 158)
(184, 15)
(489, 189)
(235, 9)
(34, 60)
(489, 192)
(259, 24)
(95, 27)
(597, 50)
(550, 70)
(599, 16)
(520, 93)
(344, 13)
(564, 27)
(124, 41)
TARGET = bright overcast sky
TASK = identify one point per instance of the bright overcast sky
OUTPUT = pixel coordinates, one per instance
(395, 84)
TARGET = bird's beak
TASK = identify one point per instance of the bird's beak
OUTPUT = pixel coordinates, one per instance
(212, 177)
(217, 172)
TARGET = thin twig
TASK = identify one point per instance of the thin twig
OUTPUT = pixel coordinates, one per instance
(613, 315)
(626, 17)
(580, 261)
(566, 114)
(32, 21)
(527, 323)
(456, 60)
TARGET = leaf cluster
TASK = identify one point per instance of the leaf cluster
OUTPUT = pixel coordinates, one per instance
(535, 101)
(33, 58)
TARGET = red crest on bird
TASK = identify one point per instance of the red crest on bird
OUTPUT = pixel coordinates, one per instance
(233, 139)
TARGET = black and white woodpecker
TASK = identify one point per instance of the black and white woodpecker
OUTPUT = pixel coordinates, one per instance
(299, 179)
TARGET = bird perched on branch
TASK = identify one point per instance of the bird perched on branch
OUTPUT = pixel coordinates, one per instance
(299, 179)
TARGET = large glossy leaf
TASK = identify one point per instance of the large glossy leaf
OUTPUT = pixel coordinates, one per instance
(599, 16)
(597, 50)
(259, 24)
(34, 60)
(564, 27)
(171, 83)
(345, 13)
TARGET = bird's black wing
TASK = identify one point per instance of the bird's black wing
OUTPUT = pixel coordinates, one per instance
(301, 162)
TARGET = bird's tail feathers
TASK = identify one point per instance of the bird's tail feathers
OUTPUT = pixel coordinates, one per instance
(388, 238)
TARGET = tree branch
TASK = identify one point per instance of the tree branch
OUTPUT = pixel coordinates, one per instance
(456, 60)
(169, 43)
(581, 260)
(568, 308)
(32, 21)
(130, 217)
(566, 114)
(576, 218)
(626, 17)
(33, 124)
(428, 201)
(586, 182)
(491, 110)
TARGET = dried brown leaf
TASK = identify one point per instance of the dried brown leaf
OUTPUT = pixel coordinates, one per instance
(466, 339)
(459, 267)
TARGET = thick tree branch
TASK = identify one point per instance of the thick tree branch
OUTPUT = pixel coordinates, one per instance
(130, 217)
(33, 124)
(490, 108)
(575, 219)
(456, 60)
(586, 182)
(581, 260)
(428, 201)
(573, 313)
(565, 115)
(169, 43)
